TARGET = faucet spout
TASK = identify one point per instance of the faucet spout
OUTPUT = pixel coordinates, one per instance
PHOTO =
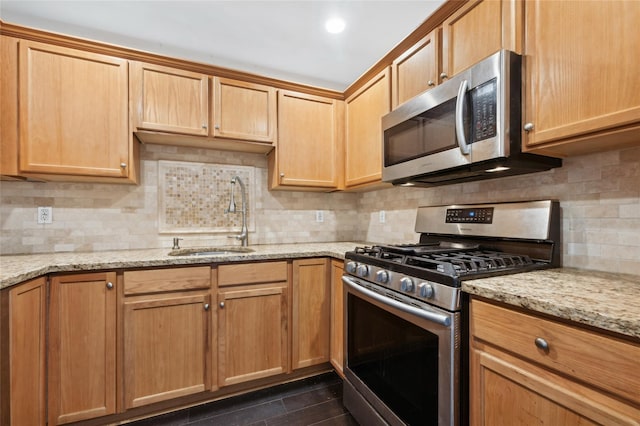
(244, 232)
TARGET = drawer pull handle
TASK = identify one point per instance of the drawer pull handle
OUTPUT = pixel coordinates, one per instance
(542, 344)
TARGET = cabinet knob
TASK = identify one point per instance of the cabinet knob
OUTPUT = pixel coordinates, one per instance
(206, 306)
(444, 76)
(542, 344)
(109, 285)
(282, 174)
(221, 304)
(123, 165)
(431, 83)
(217, 127)
(204, 126)
(528, 127)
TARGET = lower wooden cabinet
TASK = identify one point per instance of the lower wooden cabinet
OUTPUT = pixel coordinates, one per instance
(337, 316)
(253, 324)
(526, 369)
(311, 310)
(166, 347)
(82, 347)
(26, 324)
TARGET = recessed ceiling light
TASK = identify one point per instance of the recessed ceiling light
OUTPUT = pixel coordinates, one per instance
(335, 25)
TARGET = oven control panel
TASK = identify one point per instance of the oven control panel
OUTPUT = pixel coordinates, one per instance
(470, 215)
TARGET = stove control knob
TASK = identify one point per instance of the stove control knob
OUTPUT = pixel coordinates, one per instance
(425, 290)
(382, 277)
(406, 285)
(351, 267)
(362, 271)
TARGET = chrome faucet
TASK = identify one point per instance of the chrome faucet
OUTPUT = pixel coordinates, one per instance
(244, 232)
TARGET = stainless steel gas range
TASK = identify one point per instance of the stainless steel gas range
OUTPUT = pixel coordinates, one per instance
(405, 318)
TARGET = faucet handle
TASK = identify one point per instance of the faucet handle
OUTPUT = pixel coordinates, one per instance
(176, 243)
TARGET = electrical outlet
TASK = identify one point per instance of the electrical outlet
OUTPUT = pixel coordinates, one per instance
(382, 216)
(45, 215)
(319, 216)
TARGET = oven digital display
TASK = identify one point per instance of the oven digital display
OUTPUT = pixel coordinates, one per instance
(470, 215)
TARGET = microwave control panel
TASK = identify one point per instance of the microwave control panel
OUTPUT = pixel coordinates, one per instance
(484, 106)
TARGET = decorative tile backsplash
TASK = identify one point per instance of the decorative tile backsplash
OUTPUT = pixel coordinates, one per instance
(193, 197)
(599, 198)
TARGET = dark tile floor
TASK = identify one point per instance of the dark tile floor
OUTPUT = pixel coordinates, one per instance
(313, 401)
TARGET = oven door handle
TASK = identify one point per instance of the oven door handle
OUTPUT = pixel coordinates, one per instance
(429, 316)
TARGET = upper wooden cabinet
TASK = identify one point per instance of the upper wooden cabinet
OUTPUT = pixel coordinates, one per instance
(582, 90)
(363, 144)
(82, 347)
(416, 70)
(73, 115)
(525, 369)
(309, 143)
(170, 100)
(245, 111)
(477, 30)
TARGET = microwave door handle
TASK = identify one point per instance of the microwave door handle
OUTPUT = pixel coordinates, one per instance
(462, 140)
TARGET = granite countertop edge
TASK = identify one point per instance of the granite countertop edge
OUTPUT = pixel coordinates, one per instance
(603, 300)
(608, 301)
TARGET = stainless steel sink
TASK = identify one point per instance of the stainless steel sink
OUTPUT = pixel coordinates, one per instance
(209, 251)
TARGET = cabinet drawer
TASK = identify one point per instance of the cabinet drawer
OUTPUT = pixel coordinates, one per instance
(603, 361)
(251, 273)
(158, 280)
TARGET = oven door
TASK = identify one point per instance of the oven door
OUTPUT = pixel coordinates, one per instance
(402, 362)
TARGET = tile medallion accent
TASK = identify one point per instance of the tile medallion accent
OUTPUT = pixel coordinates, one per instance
(193, 197)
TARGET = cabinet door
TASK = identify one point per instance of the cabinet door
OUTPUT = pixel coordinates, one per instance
(170, 100)
(73, 109)
(252, 333)
(477, 30)
(244, 110)
(166, 348)
(581, 77)
(416, 70)
(507, 391)
(308, 141)
(26, 356)
(337, 316)
(363, 162)
(82, 347)
(311, 312)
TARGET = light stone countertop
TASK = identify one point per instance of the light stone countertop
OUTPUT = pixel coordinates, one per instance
(599, 299)
(18, 268)
(604, 300)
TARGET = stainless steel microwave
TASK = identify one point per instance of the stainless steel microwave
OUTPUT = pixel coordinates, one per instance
(467, 128)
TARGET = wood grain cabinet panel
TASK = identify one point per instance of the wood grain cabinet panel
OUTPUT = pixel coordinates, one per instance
(311, 312)
(582, 377)
(337, 316)
(26, 353)
(582, 90)
(167, 347)
(73, 112)
(363, 144)
(252, 332)
(82, 347)
(416, 70)
(170, 100)
(243, 110)
(477, 30)
(310, 135)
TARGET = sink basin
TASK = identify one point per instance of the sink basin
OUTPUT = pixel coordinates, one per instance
(209, 251)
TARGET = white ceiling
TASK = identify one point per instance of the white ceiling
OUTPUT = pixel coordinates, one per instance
(279, 39)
